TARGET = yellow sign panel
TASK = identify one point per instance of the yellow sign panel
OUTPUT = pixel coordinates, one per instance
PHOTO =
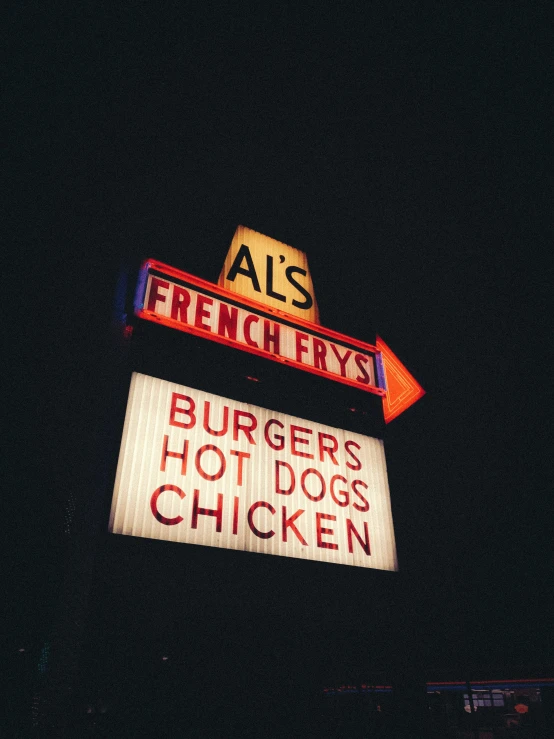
(266, 270)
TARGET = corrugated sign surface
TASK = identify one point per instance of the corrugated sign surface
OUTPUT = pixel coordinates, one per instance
(201, 469)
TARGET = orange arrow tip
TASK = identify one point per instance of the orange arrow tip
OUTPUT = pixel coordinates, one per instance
(403, 390)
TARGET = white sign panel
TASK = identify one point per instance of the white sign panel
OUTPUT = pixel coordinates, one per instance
(200, 469)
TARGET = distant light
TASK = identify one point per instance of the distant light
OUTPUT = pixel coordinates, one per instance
(164, 659)
(21, 650)
(127, 332)
(254, 379)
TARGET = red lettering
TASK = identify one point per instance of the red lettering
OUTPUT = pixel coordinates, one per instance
(342, 360)
(317, 473)
(175, 409)
(206, 423)
(295, 439)
(217, 513)
(241, 456)
(360, 360)
(201, 313)
(278, 489)
(227, 323)
(155, 295)
(236, 501)
(329, 449)
(154, 505)
(271, 338)
(271, 442)
(247, 428)
(179, 304)
(365, 507)
(176, 455)
(320, 351)
(288, 523)
(350, 529)
(321, 531)
(301, 348)
(201, 471)
(248, 321)
(253, 529)
(358, 464)
(344, 502)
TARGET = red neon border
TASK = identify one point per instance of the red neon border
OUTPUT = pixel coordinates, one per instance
(546, 680)
(393, 407)
(274, 314)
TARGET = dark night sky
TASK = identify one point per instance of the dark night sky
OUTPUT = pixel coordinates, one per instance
(407, 151)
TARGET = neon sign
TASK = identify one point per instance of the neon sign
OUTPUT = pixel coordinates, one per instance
(181, 301)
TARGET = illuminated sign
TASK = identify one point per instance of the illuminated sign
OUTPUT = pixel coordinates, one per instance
(197, 468)
(402, 388)
(168, 296)
(269, 272)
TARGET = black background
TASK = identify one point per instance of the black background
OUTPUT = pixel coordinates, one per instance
(407, 152)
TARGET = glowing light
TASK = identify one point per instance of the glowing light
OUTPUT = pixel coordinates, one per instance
(491, 684)
(271, 273)
(403, 390)
(197, 468)
(181, 301)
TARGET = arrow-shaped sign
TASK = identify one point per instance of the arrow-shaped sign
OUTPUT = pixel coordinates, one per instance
(402, 388)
